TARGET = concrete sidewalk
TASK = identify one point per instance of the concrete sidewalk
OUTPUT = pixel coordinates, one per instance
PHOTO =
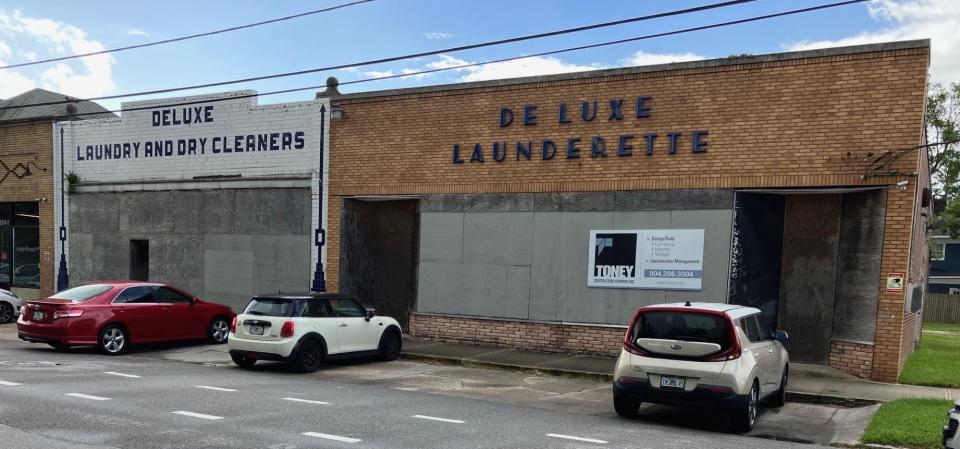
(810, 380)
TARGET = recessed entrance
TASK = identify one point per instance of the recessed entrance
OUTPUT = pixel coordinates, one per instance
(379, 254)
(810, 260)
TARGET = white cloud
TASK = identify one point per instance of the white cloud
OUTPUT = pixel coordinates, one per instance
(937, 20)
(378, 73)
(531, 66)
(415, 73)
(87, 77)
(29, 55)
(137, 32)
(5, 51)
(643, 58)
(435, 35)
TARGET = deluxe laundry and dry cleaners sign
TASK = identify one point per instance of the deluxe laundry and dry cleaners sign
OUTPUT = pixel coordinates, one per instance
(186, 118)
(667, 259)
(574, 147)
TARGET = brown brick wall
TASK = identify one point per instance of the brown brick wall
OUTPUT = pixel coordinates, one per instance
(808, 122)
(31, 142)
(852, 358)
(531, 336)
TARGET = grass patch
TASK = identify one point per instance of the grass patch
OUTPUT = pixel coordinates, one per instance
(935, 362)
(913, 423)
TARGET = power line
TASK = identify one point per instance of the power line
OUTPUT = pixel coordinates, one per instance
(468, 65)
(417, 55)
(192, 36)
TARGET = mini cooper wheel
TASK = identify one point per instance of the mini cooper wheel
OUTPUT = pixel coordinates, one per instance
(243, 362)
(6, 312)
(113, 340)
(626, 407)
(309, 357)
(745, 418)
(219, 330)
(391, 344)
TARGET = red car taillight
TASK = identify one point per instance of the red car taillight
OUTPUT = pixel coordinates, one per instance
(287, 329)
(233, 325)
(67, 314)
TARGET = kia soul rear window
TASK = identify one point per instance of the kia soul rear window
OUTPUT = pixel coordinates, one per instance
(699, 327)
(271, 307)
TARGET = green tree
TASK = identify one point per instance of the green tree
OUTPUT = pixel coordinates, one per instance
(943, 125)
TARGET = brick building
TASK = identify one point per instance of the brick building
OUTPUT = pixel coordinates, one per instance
(792, 182)
(27, 231)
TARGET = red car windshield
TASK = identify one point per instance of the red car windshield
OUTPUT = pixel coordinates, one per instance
(82, 293)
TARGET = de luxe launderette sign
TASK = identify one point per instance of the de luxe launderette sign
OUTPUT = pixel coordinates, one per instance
(575, 147)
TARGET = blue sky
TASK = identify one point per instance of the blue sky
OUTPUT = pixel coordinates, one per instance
(31, 29)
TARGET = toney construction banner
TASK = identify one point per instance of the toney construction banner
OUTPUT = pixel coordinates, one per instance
(665, 259)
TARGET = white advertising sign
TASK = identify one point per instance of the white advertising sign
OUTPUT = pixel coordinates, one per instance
(663, 259)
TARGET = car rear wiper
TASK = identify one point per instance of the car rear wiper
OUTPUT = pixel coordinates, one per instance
(255, 313)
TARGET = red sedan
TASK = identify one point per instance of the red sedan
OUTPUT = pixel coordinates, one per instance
(112, 315)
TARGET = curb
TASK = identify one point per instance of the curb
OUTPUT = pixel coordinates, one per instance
(467, 362)
(811, 398)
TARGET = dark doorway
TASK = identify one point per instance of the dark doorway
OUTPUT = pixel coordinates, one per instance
(379, 243)
(140, 260)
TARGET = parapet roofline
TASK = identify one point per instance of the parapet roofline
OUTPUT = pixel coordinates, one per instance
(706, 63)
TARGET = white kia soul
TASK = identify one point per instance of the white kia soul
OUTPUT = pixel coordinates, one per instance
(701, 354)
(306, 329)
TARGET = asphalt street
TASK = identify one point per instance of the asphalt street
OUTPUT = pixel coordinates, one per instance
(79, 398)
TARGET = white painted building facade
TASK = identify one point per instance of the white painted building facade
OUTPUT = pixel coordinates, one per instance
(220, 147)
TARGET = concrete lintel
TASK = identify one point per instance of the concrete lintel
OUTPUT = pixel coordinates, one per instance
(197, 184)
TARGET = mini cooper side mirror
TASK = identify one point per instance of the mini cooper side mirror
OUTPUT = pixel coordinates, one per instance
(369, 314)
(781, 336)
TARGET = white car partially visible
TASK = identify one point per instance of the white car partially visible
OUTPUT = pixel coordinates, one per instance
(304, 330)
(9, 306)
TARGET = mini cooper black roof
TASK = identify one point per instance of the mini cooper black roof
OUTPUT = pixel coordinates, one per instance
(303, 296)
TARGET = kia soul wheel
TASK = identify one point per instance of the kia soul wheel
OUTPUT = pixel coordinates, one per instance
(746, 418)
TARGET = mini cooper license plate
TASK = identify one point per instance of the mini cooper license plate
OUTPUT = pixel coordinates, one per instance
(256, 330)
(37, 316)
(672, 382)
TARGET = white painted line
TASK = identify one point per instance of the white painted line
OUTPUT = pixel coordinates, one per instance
(112, 373)
(434, 418)
(197, 415)
(87, 396)
(215, 388)
(404, 388)
(306, 401)
(568, 437)
(9, 384)
(331, 437)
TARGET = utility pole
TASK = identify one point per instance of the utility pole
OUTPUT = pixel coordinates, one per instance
(320, 236)
(63, 277)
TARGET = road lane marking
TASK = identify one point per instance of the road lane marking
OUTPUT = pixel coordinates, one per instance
(568, 437)
(331, 437)
(434, 418)
(112, 373)
(214, 388)
(404, 389)
(306, 401)
(9, 384)
(87, 396)
(197, 415)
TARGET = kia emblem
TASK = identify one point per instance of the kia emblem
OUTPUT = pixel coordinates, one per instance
(676, 347)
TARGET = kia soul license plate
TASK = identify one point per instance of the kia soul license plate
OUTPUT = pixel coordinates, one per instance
(672, 382)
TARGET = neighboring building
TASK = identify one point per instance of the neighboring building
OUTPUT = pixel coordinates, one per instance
(540, 212)
(27, 231)
(213, 193)
(944, 265)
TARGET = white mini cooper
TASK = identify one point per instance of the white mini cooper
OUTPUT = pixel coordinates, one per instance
(701, 354)
(306, 329)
